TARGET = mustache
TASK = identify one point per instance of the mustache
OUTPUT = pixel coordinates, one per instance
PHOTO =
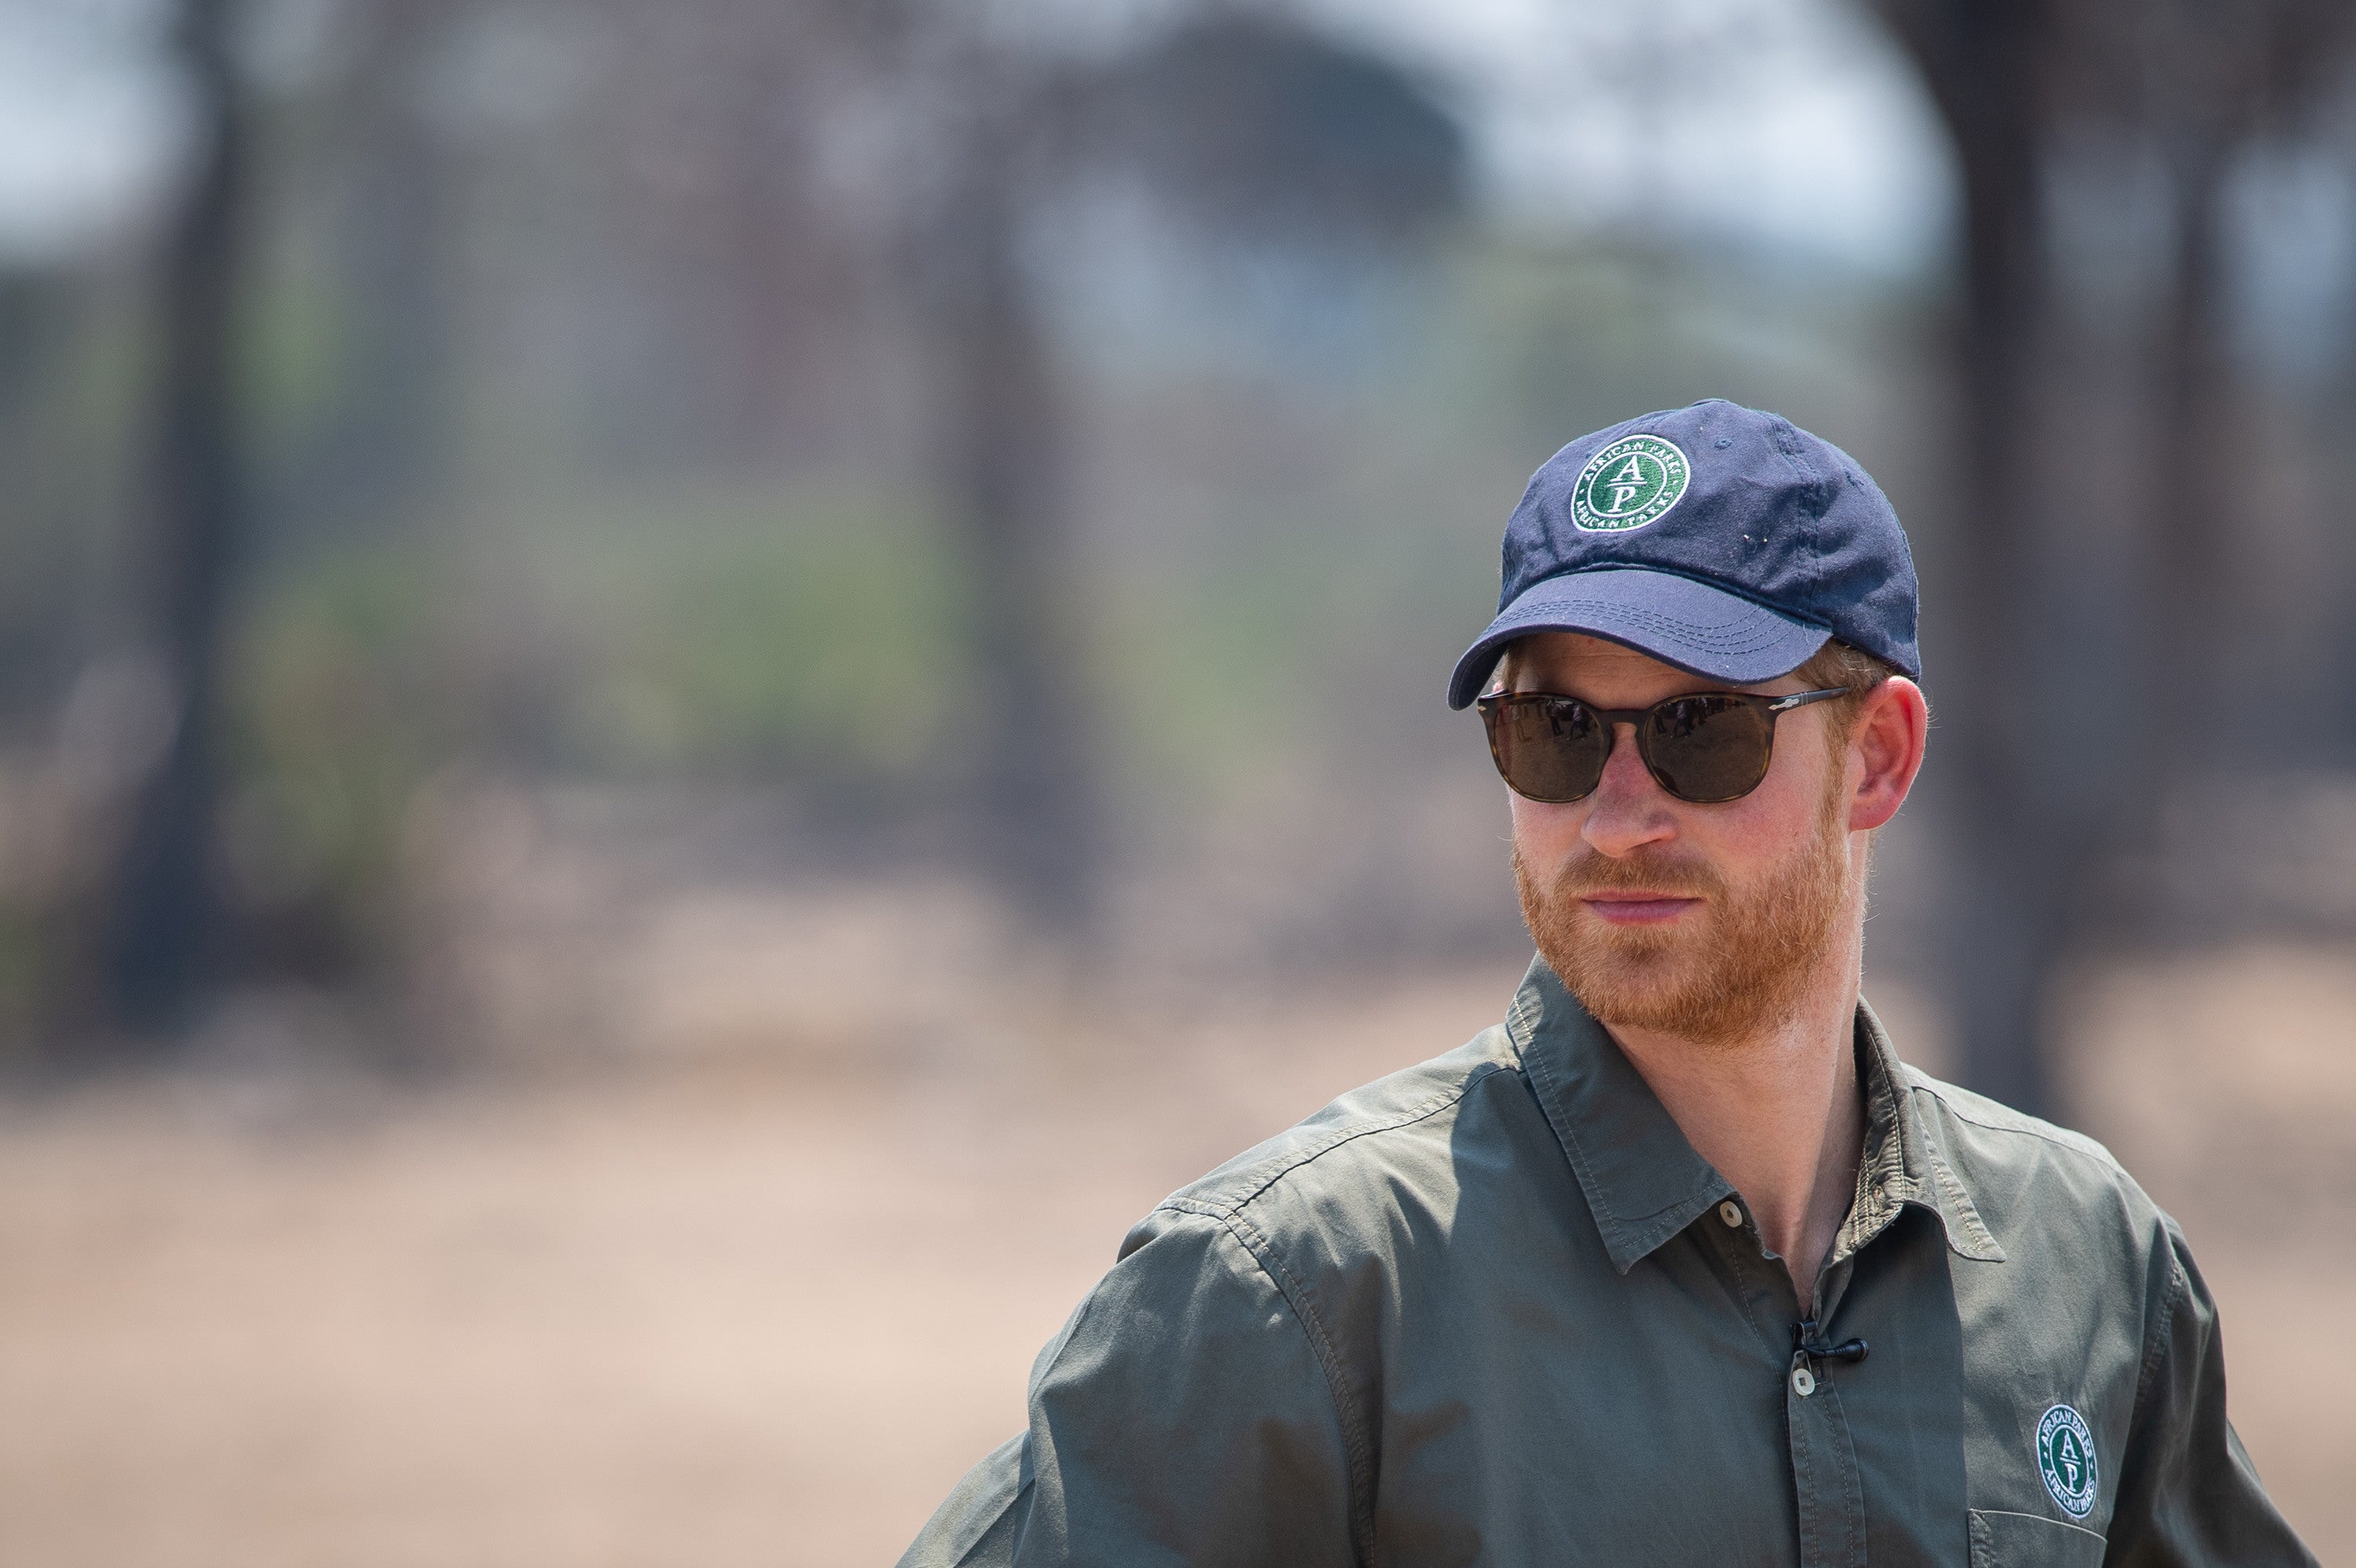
(1597, 873)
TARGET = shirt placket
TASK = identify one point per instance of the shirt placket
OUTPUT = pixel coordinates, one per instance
(1825, 1479)
(1827, 1487)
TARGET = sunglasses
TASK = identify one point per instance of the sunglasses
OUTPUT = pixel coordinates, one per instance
(1706, 748)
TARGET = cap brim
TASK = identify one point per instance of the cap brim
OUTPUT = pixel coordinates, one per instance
(1677, 620)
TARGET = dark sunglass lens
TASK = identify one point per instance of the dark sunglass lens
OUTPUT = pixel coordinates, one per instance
(1548, 749)
(1709, 748)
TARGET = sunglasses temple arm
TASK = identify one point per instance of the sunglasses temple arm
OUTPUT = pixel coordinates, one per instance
(1801, 698)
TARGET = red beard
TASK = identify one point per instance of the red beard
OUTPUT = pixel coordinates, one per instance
(1734, 971)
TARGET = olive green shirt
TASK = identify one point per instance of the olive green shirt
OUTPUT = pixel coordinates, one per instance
(1495, 1310)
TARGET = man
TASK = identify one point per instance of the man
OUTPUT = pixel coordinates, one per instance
(1679, 1264)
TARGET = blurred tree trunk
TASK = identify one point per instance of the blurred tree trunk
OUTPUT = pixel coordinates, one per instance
(389, 438)
(1983, 62)
(163, 910)
(2193, 378)
(786, 277)
(2047, 791)
(2227, 74)
(1005, 457)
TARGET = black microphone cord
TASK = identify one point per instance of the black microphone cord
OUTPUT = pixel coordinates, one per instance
(1804, 1340)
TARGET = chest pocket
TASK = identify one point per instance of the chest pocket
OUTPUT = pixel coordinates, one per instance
(2031, 1540)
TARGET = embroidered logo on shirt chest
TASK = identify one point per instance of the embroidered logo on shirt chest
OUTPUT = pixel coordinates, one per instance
(2065, 1452)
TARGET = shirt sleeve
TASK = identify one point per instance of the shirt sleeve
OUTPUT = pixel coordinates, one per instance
(1181, 1417)
(2188, 1495)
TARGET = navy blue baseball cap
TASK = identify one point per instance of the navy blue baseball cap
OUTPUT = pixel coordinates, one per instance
(1717, 539)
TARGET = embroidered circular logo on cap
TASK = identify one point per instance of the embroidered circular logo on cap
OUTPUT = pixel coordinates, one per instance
(2065, 1452)
(1629, 484)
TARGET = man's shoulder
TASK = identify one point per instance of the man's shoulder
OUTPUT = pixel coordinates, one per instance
(2030, 1178)
(1390, 1142)
(1993, 1129)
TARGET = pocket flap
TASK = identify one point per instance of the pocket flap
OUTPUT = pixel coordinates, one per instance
(2031, 1540)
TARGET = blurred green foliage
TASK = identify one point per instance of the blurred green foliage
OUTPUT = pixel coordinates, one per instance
(345, 699)
(754, 630)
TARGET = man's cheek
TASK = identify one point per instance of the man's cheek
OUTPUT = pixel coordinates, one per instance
(1546, 834)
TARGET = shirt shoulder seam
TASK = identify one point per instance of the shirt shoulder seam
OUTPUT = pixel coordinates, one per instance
(1358, 1451)
(2060, 1138)
(1219, 1207)
(2155, 1352)
(1228, 1213)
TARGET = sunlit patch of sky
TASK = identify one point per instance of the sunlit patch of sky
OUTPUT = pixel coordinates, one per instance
(90, 120)
(1788, 125)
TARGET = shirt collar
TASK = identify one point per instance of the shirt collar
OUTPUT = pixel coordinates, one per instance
(1644, 1181)
(1642, 1178)
(1904, 1160)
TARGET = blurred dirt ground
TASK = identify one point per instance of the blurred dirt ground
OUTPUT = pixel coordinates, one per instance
(763, 1302)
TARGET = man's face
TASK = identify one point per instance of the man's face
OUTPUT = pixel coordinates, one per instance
(1704, 922)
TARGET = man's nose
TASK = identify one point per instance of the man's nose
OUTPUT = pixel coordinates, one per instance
(1629, 809)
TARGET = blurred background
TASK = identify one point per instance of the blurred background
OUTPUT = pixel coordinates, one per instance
(690, 692)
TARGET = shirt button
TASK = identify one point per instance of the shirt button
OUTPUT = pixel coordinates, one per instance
(1803, 1382)
(1731, 1212)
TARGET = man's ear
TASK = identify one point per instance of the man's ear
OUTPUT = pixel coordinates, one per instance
(1885, 751)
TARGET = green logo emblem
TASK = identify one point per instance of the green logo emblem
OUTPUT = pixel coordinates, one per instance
(1629, 484)
(2065, 1451)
